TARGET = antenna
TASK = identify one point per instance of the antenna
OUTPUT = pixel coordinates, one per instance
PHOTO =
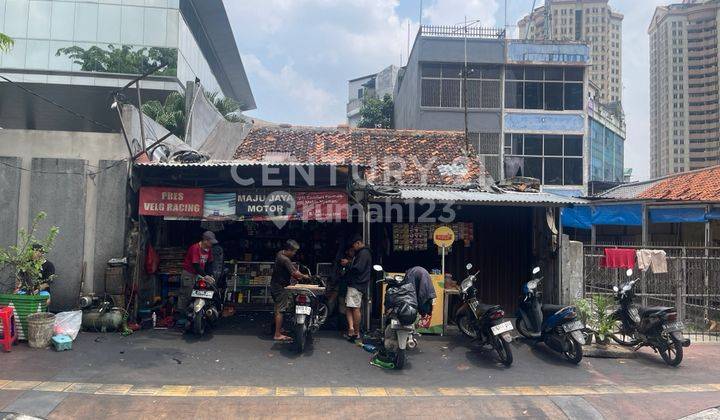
(421, 11)
(465, 104)
(408, 42)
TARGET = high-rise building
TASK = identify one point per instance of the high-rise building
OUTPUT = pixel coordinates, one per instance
(684, 124)
(591, 21)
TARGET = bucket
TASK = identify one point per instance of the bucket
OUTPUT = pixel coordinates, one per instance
(24, 305)
(40, 329)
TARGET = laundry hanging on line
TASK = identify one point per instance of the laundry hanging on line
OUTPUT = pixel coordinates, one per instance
(653, 259)
(618, 258)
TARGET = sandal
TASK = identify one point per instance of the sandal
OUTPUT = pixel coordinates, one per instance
(284, 339)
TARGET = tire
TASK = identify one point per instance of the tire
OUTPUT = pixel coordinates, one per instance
(199, 324)
(465, 325)
(400, 359)
(300, 337)
(672, 354)
(503, 350)
(620, 337)
(575, 353)
(522, 328)
(322, 314)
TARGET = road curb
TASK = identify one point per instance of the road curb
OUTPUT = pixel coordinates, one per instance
(610, 351)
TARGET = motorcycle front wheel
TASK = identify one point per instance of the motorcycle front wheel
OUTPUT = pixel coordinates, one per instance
(400, 359)
(300, 337)
(465, 325)
(503, 350)
(672, 352)
(575, 352)
(522, 328)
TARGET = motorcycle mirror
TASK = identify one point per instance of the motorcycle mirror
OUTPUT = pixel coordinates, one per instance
(378, 267)
(616, 289)
(468, 266)
(629, 272)
(536, 270)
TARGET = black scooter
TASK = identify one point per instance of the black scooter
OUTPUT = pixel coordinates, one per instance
(206, 304)
(653, 326)
(483, 323)
(557, 326)
(309, 311)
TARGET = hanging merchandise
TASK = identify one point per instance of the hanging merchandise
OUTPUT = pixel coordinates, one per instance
(654, 259)
(618, 258)
(419, 236)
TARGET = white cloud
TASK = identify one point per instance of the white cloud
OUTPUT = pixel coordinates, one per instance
(453, 12)
(298, 92)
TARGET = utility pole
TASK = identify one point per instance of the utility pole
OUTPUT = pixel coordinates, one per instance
(464, 81)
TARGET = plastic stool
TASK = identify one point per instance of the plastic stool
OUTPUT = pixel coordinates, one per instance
(9, 334)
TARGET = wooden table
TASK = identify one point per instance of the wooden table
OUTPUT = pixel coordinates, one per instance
(317, 290)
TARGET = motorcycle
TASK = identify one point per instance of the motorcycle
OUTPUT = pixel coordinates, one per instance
(483, 323)
(399, 319)
(653, 326)
(206, 304)
(309, 311)
(557, 326)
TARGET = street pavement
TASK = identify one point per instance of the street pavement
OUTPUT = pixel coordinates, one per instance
(237, 371)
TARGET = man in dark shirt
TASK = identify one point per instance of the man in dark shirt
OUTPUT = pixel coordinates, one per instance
(284, 274)
(357, 278)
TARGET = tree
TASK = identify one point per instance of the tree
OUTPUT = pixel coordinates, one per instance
(170, 114)
(377, 113)
(227, 107)
(124, 59)
(6, 43)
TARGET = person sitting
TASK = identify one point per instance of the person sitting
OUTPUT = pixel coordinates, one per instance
(197, 257)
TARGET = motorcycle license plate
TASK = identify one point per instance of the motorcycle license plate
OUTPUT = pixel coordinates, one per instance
(302, 310)
(501, 328)
(578, 336)
(573, 326)
(673, 326)
(205, 294)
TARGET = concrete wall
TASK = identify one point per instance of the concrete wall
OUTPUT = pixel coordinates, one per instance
(452, 50)
(62, 174)
(571, 288)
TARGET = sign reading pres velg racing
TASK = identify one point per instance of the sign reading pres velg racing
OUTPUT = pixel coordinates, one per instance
(173, 202)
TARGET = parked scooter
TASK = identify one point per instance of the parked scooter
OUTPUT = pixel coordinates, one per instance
(401, 313)
(653, 326)
(483, 323)
(557, 326)
(309, 312)
(206, 304)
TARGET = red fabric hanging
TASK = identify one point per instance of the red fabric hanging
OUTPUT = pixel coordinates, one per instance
(618, 258)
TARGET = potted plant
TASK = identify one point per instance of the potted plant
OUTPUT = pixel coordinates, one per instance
(597, 315)
(24, 261)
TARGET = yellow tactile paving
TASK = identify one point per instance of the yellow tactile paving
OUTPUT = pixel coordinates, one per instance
(382, 392)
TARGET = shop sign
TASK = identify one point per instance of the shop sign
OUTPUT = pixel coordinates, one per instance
(299, 205)
(219, 206)
(173, 202)
(443, 237)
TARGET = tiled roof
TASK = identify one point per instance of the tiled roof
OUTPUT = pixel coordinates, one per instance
(701, 185)
(628, 191)
(440, 155)
(481, 197)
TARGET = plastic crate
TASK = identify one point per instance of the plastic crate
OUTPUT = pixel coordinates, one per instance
(62, 342)
(23, 306)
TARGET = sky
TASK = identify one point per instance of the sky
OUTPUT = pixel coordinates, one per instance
(299, 54)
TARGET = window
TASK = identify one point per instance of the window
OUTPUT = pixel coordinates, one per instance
(442, 86)
(548, 88)
(553, 158)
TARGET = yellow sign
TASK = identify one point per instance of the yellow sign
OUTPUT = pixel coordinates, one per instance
(444, 237)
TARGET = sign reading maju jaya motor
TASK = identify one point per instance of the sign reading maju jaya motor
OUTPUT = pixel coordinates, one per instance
(173, 202)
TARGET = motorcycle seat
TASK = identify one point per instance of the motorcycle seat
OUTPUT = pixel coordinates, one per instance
(652, 310)
(483, 308)
(548, 309)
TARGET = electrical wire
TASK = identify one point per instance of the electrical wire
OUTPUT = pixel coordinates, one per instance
(88, 173)
(52, 102)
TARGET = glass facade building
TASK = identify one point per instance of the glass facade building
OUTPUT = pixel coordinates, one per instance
(71, 41)
(606, 153)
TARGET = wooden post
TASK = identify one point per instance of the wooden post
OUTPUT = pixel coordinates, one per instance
(680, 285)
(706, 268)
(645, 238)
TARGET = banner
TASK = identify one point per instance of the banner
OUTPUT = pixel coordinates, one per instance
(220, 206)
(322, 205)
(174, 202)
(299, 205)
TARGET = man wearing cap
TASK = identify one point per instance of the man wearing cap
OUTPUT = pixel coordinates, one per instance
(357, 278)
(283, 275)
(197, 257)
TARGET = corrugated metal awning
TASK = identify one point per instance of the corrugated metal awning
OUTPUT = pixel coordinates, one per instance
(482, 197)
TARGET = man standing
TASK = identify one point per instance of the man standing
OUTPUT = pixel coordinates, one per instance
(284, 274)
(196, 259)
(357, 277)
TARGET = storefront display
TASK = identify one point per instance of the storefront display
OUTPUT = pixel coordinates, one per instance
(418, 236)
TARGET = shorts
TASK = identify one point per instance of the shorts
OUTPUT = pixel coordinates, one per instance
(283, 300)
(353, 299)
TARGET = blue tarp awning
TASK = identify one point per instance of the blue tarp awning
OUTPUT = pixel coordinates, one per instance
(677, 215)
(713, 214)
(579, 217)
(621, 214)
